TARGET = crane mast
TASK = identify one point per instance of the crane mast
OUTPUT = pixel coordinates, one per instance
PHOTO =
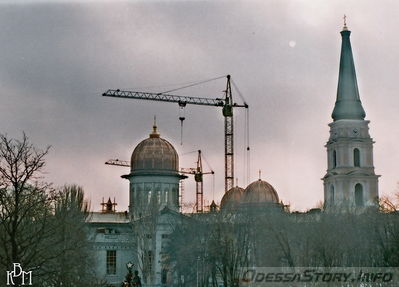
(199, 182)
(227, 105)
(228, 138)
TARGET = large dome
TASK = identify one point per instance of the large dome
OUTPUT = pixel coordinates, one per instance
(154, 154)
(232, 198)
(259, 192)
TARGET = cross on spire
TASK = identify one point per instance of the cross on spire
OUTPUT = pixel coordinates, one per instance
(154, 133)
(345, 27)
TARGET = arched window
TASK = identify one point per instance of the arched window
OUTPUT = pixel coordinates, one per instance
(356, 157)
(166, 195)
(334, 159)
(332, 195)
(359, 195)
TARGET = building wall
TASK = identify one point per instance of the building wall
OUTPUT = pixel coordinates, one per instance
(144, 190)
(342, 173)
(113, 236)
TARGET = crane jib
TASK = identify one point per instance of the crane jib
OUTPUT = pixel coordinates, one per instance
(181, 100)
(226, 103)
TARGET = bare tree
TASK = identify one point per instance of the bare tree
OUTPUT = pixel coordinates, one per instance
(25, 204)
(40, 228)
(145, 230)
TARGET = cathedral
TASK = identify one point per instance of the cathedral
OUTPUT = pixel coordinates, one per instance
(138, 236)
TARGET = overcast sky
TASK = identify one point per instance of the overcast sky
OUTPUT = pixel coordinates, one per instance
(57, 57)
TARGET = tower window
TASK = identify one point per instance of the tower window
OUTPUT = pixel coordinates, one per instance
(164, 276)
(334, 159)
(332, 195)
(359, 195)
(111, 261)
(148, 262)
(356, 157)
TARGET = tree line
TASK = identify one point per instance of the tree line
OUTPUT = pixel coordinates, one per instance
(210, 250)
(41, 227)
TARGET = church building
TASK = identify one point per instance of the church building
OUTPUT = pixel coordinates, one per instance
(138, 236)
(350, 182)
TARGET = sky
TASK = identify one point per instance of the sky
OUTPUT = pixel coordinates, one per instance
(58, 57)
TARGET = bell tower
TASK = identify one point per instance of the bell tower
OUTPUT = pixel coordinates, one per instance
(350, 183)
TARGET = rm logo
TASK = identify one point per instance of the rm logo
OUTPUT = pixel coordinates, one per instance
(18, 273)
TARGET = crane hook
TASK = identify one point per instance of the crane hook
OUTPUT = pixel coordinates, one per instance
(181, 118)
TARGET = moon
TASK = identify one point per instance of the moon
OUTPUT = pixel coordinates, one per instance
(292, 43)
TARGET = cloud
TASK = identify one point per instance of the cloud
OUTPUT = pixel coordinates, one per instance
(57, 59)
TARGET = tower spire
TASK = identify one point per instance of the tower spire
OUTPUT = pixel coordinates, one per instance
(348, 104)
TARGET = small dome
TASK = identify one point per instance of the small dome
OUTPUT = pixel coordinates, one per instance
(260, 191)
(232, 197)
(154, 154)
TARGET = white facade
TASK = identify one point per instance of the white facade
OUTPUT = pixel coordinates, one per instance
(350, 182)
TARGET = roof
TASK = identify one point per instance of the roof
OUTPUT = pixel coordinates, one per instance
(104, 217)
(232, 197)
(347, 104)
(260, 192)
(154, 154)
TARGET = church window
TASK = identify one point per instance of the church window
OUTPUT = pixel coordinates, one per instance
(164, 276)
(149, 196)
(334, 159)
(358, 195)
(111, 261)
(149, 260)
(356, 157)
(332, 194)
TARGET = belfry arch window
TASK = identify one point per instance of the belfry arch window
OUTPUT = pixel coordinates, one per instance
(359, 201)
(166, 196)
(356, 157)
(334, 159)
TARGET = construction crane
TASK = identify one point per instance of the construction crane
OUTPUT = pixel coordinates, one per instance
(198, 177)
(226, 103)
(197, 172)
(118, 162)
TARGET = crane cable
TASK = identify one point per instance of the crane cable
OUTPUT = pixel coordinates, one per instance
(193, 84)
(247, 158)
(182, 116)
(248, 150)
(213, 175)
(238, 91)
